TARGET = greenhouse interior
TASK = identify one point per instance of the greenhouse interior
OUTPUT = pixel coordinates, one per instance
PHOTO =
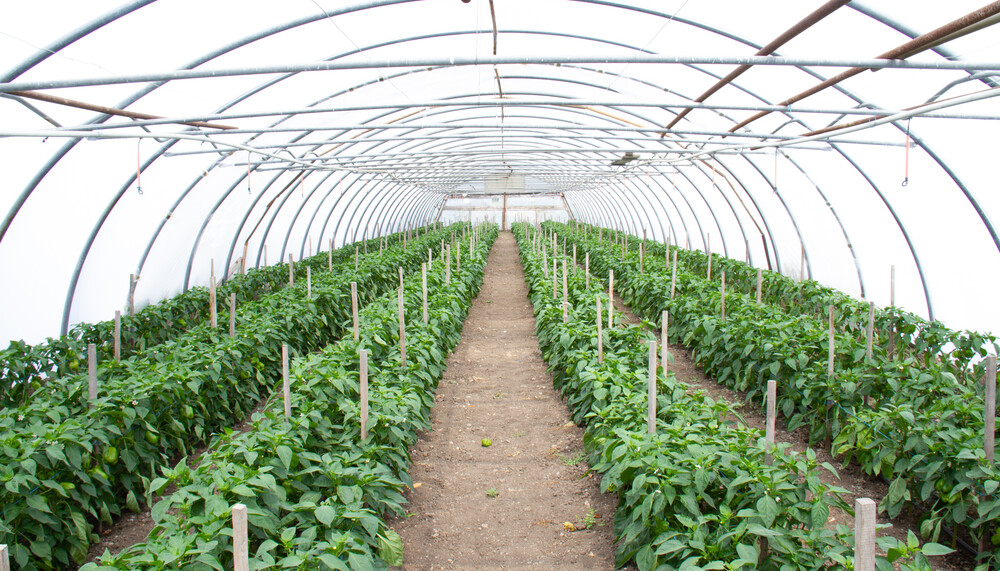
(499, 284)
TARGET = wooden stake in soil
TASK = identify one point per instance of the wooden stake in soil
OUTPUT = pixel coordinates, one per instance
(611, 298)
(642, 253)
(402, 328)
(131, 295)
(291, 271)
(565, 302)
(364, 393)
(651, 397)
(600, 334)
(423, 284)
(586, 267)
(664, 345)
(232, 315)
(831, 353)
(447, 265)
(400, 276)
(708, 246)
(673, 280)
(991, 407)
(286, 387)
(545, 262)
(574, 260)
(213, 308)
(722, 291)
(92, 371)
(4, 558)
(555, 277)
(241, 547)
(458, 259)
(356, 258)
(772, 393)
(354, 310)
(118, 335)
(892, 303)
(760, 284)
(309, 283)
(870, 331)
(329, 259)
(864, 534)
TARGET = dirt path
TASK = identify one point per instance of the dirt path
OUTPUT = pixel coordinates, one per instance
(858, 484)
(504, 506)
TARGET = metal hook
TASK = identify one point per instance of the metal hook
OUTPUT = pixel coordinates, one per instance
(139, 188)
(906, 181)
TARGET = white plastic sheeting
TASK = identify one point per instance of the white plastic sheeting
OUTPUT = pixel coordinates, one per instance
(425, 114)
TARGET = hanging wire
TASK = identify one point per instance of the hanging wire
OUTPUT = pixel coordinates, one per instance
(138, 166)
(248, 172)
(906, 167)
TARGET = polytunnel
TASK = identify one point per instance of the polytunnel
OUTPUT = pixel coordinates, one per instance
(154, 147)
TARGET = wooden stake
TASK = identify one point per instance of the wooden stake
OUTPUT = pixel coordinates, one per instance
(545, 263)
(802, 264)
(574, 260)
(991, 407)
(329, 259)
(400, 276)
(232, 315)
(831, 353)
(642, 253)
(864, 534)
(611, 298)
(555, 277)
(651, 397)
(402, 328)
(356, 258)
(870, 331)
(118, 335)
(309, 283)
(458, 259)
(565, 303)
(265, 255)
(354, 310)
(892, 303)
(241, 547)
(600, 335)
(92, 371)
(664, 339)
(131, 295)
(760, 284)
(772, 393)
(722, 289)
(708, 246)
(286, 387)
(447, 265)
(673, 280)
(213, 307)
(586, 261)
(364, 393)
(423, 283)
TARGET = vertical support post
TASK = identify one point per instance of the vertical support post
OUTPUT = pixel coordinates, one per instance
(802, 264)
(586, 267)
(354, 310)
(642, 253)
(118, 335)
(265, 255)
(423, 284)
(870, 340)
(364, 393)
(213, 306)
(760, 284)
(991, 407)
(131, 295)
(241, 547)
(892, 303)
(545, 262)
(92, 371)
(555, 278)
(664, 341)
(651, 396)
(611, 298)
(232, 315)
(447, 265)
(285, 386)
(831, 354)
(574, 260)
(329, 258)
(356, 258)
(458, 259)
(402, 327)
(722, 291)
(673, 280)
(864, 534)
(243, 260)
(291, 271)
(708, 246)
(600, 333)
(565, 302)
(772, 395)
(309, 283)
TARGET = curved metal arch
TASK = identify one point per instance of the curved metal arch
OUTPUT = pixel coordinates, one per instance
(359, 210)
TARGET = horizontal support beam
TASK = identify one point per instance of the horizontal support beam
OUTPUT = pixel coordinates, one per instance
(662, 59)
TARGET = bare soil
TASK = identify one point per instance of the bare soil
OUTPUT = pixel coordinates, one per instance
(857, 483)
(528, 501)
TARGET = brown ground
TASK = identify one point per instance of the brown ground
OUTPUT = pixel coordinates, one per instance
(858, 484)
(503, 506)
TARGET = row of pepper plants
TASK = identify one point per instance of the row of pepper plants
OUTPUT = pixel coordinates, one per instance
(922, 432)
(29, 368)
(698, 494)
(316, 492)
(70, 466)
